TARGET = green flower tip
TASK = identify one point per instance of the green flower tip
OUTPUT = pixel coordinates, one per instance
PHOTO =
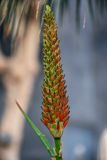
(48, 9)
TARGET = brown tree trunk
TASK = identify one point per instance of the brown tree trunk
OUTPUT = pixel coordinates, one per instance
(20, 73)
(102, 150)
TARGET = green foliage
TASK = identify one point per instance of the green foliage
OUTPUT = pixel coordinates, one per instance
(38, 132)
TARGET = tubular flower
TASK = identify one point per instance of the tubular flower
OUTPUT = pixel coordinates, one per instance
(55, 109)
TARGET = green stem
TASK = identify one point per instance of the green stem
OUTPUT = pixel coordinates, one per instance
(58, 148)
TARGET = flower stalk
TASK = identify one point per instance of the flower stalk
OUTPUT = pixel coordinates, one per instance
(55, 109)
(58, 148)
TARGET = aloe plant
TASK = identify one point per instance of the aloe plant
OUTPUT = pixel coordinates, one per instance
(55, 109)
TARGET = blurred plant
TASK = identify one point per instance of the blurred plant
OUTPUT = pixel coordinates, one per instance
(98, 5)
(25, 9)
(55, 109)
(15, 13)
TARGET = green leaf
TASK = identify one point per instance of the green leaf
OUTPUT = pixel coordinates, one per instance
(38, 132)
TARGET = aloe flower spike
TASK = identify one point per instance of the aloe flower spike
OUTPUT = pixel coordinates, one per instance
(55, 109)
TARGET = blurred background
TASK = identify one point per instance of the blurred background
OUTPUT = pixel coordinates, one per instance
(82, 32)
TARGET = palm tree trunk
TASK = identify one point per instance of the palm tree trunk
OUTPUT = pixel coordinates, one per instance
(102, 152)
(20, 73)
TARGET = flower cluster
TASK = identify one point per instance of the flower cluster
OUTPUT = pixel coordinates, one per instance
(55, 109)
